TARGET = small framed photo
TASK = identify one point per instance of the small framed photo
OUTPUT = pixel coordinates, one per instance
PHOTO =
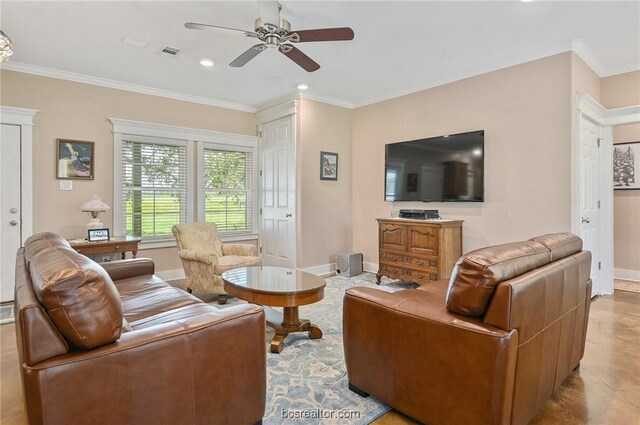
(74, 159)
(328, 166)
(626, 166)
(98, 235)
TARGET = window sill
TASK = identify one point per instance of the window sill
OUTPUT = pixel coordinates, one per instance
(238, 237)
(170, 243)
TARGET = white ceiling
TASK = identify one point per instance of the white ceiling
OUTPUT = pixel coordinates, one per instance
(399, 47)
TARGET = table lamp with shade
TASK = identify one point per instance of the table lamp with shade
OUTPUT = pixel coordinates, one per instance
(94, 207)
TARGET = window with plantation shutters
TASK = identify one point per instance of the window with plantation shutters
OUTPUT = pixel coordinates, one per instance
(153, 188)
(228, 188)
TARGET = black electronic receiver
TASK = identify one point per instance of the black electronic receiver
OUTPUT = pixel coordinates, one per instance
(420, 214)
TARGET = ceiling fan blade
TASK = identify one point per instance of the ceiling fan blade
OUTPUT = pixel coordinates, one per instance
(296, 55)
(251, 53)
(216, 28)
(324, 34)
(269, 11)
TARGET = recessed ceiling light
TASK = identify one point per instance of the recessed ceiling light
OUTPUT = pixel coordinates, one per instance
(206, 62)
(302, 86)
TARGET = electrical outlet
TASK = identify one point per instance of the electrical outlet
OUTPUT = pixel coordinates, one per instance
(105, 258)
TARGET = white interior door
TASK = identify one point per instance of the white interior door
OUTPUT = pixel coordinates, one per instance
(590, 199)
(10, 208)
(278, 193)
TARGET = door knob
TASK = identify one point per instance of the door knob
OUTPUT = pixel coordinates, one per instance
(13, 223)
(288, 215)
(13, 210)
(586, 220)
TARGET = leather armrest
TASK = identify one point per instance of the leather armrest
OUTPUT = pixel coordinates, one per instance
(123, 269)
(242, 249)
(163, 374)
(405, 347)
(202, 256)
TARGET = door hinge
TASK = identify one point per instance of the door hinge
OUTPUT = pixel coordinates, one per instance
(260, 211)
(598, 204)
(599, 265)
(260, 173)
(599, 140)
(260, 250)
(258, 132)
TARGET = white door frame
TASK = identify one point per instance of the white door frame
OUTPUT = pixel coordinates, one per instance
(589, 108)
(24, 118)
(272, 113)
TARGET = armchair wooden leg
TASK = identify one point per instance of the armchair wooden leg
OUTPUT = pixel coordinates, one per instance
(189, 290)
(222, 299)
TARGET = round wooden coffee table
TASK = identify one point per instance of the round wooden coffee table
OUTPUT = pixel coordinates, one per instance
(277, 287)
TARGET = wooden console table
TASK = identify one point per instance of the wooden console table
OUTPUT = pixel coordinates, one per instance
(122, 245)
(418, 251)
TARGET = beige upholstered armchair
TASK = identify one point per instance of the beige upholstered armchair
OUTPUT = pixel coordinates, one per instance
(205, 258)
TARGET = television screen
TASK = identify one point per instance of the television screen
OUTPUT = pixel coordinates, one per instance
(437, 169)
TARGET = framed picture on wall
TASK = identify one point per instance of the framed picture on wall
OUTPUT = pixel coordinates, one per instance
(626, 165)
(74, 159)
(328, 166)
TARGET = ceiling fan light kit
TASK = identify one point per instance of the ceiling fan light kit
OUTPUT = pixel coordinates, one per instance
(280, 37)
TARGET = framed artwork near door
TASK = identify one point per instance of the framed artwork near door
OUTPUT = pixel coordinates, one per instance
(626, 166)
(74, 159)
(328, 166)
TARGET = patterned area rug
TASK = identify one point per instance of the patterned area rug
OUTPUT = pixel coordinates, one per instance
(307, 382)
(626, 285)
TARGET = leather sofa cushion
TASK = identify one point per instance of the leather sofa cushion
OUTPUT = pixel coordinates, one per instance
(147, 295)
(477, 273)
(560, 245)
(77, 293)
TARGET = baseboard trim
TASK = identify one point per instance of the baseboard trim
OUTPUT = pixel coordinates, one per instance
(370, 267)
(169, 275)
(321, 270)
(633, 275)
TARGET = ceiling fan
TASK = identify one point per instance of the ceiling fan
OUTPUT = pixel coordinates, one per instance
(279, 36)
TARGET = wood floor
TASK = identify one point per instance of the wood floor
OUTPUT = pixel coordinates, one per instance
(605, 390)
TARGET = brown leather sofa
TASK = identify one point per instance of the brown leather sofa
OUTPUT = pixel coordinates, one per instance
(488, 347)
(114, 344)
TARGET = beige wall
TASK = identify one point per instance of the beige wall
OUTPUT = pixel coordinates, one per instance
(619, 91)
(325, 206)
(525, 111)
(81, 111)
(583, 80)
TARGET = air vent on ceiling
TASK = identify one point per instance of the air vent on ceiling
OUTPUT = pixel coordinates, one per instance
(171, 51)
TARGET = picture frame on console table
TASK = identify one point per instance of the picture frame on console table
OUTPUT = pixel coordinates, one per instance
(328, 166)
(626, 166)
(98, 235)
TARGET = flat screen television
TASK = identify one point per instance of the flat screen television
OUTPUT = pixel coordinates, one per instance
(438, 169)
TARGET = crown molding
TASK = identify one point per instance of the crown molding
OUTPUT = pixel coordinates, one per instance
(327, 99)
(119, 85)
(580, 48)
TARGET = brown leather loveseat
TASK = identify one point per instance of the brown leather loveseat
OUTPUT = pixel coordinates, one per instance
(490, 347)
(114, 344)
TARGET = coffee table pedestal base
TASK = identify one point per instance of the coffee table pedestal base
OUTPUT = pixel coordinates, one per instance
(288, 322)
